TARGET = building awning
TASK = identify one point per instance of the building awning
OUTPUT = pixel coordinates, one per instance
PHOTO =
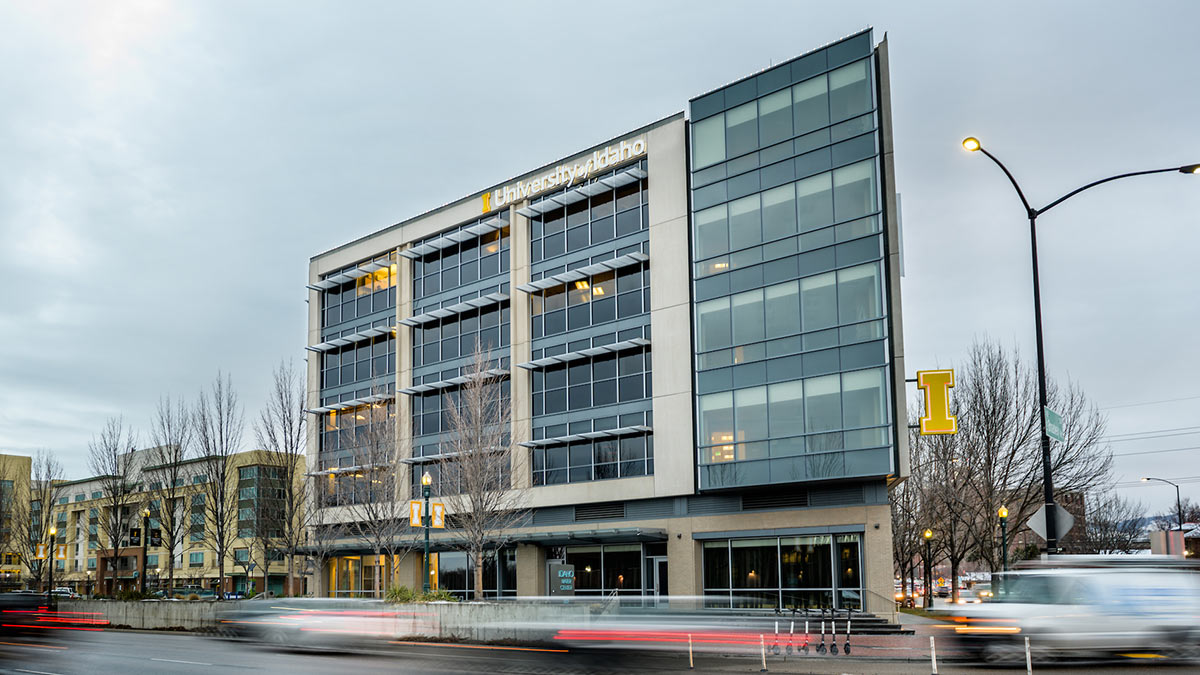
(607, 433)
(443, 312)
(604, 536)
(584, 353)
(366, 334)
(452, 382)
(620, 179)
(353, 403)
(567, 277)
(456, 237)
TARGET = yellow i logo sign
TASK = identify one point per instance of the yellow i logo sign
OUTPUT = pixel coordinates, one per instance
(937, 419)
(487, 202)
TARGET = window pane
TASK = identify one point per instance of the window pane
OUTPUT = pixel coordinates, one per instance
(786, 409)
(754, 563)
(751, 413)
(810, 107)
(814, 201)
(712, 232)
(779, 212)
(741, 134)
(818, 301)
(708, 141)
(716, 418)
(849, 91)
(854, 190)
(822, 403)
(713, 327)
(775, 117)
(716, 564)
(747, 312)
(782, 309)
(744, 223)
(806, 562)
(858, 294)
(863, 398)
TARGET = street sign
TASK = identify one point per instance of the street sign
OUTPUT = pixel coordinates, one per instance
(414, 513)
(1064, 520)
(40, 554)
(562, 579)
(439, 515)
(1054, 426)
(937, 418)
(60, 552)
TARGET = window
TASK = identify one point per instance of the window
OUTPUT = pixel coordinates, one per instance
(588, 460)
(599, 299)
(196, 559)
(151, 560)
(247, 472)
(708, 141)
(608, 569)
(849, 91)
(461, 264)
(429, 409)
(91, 563)
(366, 295)
(359, 362)
(585, 384)
(241, 555)
(814, 571)
(457, 337)
(199, 479)
(604, 216)
(854, 190)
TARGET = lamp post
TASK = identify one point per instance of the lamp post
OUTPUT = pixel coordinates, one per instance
(1003, 513)
(426, 482)
(87, 591)
(145, 540)
(1178, 503)
(50, 565)
(972, 144)
(928, 534)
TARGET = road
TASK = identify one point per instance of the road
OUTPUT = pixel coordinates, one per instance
(126, 653)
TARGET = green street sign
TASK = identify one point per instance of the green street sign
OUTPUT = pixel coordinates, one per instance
(1054, 426)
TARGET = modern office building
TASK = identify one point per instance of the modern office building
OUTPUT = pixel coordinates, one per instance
(698, 323)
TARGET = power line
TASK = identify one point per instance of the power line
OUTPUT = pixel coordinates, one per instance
(1150, 431)
(1150, 437)
(1152, 452)
(1166, 400)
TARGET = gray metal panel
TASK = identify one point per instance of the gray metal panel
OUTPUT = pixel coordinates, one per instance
(780, 532)
(554, 515)
(714, 504)
(840, 495)
(650, 508)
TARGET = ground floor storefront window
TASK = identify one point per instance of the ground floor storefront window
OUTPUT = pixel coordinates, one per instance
(811, 571)
(456, 573)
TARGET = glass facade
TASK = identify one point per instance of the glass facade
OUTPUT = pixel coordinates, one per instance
(812, 571)
(788, 271)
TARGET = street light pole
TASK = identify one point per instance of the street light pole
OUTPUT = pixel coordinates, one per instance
(1004, 537)
(50, 565)
(1178, 504)
(972, 144)
(145, 540)
(928, 534)
(426, 481)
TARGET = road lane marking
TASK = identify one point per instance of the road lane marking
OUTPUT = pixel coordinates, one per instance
(35, 672)
(23, 644)
(190, 663)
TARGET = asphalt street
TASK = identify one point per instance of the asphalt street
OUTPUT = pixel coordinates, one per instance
(126, 653)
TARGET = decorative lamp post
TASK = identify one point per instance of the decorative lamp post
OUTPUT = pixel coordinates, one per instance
(1003, 513)
(145, 540)
(1178, 505)
(972, 144)
(928, 534)
(426, 482)
(50, 565)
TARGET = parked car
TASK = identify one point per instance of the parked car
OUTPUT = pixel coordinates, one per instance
(64, 593)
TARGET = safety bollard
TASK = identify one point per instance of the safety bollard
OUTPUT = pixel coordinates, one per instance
(933, 654)
(691, 662)
(1028, 657)
(762, 643)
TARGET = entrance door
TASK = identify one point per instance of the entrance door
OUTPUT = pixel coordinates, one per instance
(658, 579)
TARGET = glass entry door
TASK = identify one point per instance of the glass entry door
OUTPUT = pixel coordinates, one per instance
(656, 579)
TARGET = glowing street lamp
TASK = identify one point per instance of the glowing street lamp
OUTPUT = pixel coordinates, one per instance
(426, 516)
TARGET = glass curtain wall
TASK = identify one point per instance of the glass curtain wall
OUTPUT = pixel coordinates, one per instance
(811, 571)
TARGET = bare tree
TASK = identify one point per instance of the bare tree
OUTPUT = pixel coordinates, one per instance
(1113, 524)
(281, 431)
(325, 530)
(171, 433)
(948, 509)
(32, 517)
(906, 528)
(370, 491)
(218, 424)
(111, 460)
(476, 467)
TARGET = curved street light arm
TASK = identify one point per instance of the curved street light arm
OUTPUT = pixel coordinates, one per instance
(1029, 209)
(1093, 184)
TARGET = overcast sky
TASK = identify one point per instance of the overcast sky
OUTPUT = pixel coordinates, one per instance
(168, 169)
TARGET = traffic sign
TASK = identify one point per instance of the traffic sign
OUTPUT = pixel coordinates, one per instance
(414, 513)
(1054, 426)
(439, 515)
(1064, 520)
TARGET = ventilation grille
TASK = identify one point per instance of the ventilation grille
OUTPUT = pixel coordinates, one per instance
(555, 515)
(650, 508)
(709, 504)
(778, 500)
(839, 496)
(604, 511)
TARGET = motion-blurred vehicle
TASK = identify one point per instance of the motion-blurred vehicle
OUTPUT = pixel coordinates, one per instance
(64, 593)
(317, 623)
(1087, 609)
